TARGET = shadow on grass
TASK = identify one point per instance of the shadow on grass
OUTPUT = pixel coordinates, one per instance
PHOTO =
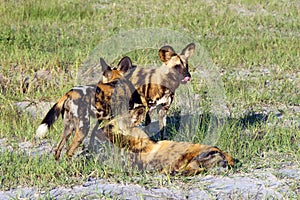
(177, 123)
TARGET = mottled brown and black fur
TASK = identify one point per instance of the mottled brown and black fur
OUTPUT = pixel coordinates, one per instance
(166, 156)
(83, 102)
(156, 86)
(112, 98)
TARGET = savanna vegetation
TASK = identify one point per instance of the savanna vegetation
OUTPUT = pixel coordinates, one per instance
(254, 46)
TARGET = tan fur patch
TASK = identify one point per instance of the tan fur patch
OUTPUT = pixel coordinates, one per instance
(166, 156)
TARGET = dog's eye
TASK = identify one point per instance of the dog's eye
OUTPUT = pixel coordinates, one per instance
(177, 66)
(107, 73)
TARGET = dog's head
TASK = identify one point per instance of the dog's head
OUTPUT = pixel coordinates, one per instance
(114, 90)
(112, 74)
(178, 62)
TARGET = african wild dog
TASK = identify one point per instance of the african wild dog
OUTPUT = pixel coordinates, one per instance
(156, 86)
(166, 156)
(83, 102)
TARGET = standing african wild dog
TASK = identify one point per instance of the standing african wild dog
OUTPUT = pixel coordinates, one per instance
(83, 102)
(156, 86)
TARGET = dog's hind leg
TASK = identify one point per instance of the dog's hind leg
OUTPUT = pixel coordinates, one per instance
(78, 138)
(65, 136)
(81, 132)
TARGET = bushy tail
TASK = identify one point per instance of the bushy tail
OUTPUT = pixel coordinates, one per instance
(50, 118)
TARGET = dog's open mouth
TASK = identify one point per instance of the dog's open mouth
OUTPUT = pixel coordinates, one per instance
(185, 80)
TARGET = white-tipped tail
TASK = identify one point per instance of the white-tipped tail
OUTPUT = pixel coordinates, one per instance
(41, 131)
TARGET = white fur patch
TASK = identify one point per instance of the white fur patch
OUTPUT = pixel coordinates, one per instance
(41, 131)
(165, 99)
(83, 88)
(74, 109)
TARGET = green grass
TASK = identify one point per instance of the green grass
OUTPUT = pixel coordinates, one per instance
(241, 37)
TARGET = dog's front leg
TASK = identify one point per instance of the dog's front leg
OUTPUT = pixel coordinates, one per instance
(210, 156)
(147, 122)
(93, 135)
(162, 114)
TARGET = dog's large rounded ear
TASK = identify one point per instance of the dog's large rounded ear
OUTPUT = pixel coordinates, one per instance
(125, 64)
(188, 50)
(166, 53)
(106, 71)
(104, 65)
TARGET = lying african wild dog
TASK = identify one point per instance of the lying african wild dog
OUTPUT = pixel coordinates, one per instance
(156, 86)
(166, 156)
(83, 102)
